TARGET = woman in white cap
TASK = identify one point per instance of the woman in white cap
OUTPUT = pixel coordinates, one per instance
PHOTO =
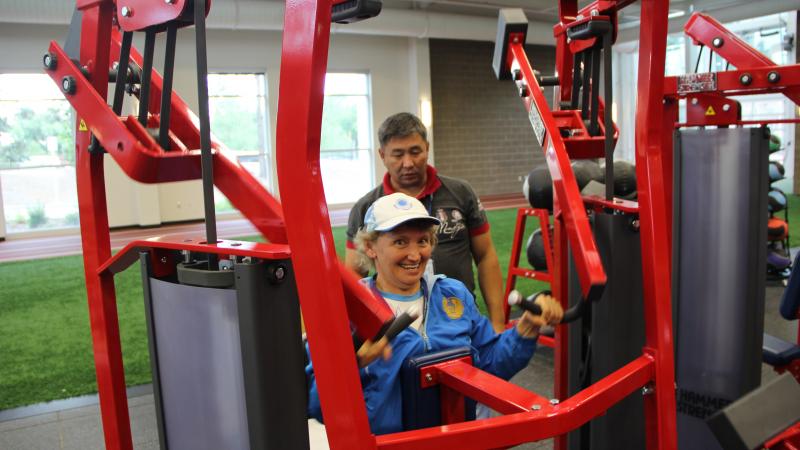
(397, 240)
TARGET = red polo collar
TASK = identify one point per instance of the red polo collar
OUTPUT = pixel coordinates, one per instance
(432, 183)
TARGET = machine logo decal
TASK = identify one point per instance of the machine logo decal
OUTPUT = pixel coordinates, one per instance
(536, 122)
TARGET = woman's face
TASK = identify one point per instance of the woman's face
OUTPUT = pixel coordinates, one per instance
(400, 257)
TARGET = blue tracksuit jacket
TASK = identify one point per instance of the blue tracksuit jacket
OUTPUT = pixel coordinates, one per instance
(451, 319)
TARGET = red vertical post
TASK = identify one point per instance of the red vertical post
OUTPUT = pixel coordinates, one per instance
(660, 413)
(560, 288)
(94, 51)
(303, 61)
(567, 9)
(516, 244)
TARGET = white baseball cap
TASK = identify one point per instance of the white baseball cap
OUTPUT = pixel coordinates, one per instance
(393, 210)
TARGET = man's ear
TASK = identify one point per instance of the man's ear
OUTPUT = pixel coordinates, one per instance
(382, 153)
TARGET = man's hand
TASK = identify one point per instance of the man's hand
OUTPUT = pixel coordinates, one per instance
(370, 351)
(528, 325)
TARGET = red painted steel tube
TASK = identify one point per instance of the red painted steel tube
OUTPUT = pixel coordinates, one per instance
(590, 270)
(729, 82)
(494, 392)
(660, 416)
(319, 281)
(143, 14)
(533, 425)
(560, 287)
(95, 34)
(704, 29)
(130, 253)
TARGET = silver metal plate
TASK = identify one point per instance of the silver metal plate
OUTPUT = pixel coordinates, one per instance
(697, 82)
(536, 122)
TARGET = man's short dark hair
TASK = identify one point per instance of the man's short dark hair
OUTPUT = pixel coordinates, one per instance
(401, 125)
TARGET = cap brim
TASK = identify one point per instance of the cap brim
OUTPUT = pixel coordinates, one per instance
(397, 221)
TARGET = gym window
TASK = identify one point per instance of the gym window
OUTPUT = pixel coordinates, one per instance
(37, 155)
(239, 119)
(346, 150)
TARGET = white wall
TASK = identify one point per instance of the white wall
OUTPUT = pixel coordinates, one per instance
(397, 85)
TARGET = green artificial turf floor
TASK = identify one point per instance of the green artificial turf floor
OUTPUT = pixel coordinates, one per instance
(45, 342)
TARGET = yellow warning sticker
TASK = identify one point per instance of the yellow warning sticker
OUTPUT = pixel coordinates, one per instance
(710, 111)
(82, 126)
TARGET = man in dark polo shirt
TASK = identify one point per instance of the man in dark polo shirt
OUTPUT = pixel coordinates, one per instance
(464, 231)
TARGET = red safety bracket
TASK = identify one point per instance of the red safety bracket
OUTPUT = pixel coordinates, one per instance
(711, 109)
(138, 15)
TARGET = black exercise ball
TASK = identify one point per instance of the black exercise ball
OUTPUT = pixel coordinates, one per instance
(538, 188)
(535, 251)
(776, 171)
(594, 169)
(624, 179)
(776, 201)
(586, 171)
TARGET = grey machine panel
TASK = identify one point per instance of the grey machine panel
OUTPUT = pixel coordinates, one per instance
(228, 363)
(610, 335)
(200, 367)
(719, 260)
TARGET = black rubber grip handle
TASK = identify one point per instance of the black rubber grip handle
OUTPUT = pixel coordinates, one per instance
(528, 304)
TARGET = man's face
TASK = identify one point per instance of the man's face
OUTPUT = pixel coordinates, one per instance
(406, 160)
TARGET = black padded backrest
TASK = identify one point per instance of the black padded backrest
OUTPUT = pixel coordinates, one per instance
(790, 302)
(421, 406)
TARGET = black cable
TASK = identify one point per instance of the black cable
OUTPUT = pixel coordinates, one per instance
(576, 80)
(699, 55)
(147, 71)
(122, 72)
(166, 87)
(594, 127)
(585, 85)
(608, 121)
(206, 159)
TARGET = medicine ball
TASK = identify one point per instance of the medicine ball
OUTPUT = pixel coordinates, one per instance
(538, 188)
(624, 179)
(535, 251)
(586, 171)
(774, 143)
(776, 201)
(776, 171)
(777, 229)
(777, 260)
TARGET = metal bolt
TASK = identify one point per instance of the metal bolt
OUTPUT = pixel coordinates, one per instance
(523, 91)
(746, 79)
(635, 224)
(554, 401)
(429, 377)
(595, 12)
(579, 17)
(126, 11)
(717, 42)
(515, 40)
(773, 77)
(569, 40)
(49, 61)
(536, 407)
(647, 390)
(280, 273)
(726, 107)
(68, 85)
(163, 259)
(694, 100)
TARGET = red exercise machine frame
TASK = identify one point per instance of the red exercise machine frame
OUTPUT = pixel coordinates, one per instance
(330, 297)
